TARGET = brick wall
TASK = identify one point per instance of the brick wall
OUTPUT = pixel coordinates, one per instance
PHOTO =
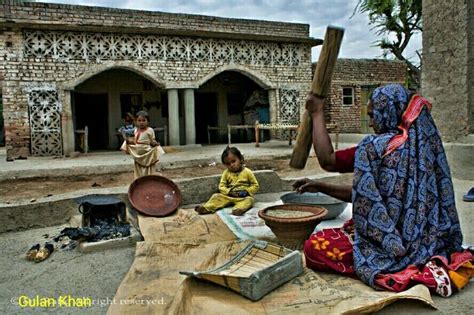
(15, 110)
(21, 71)
(358, 73)
(83, 16)
(447, 78)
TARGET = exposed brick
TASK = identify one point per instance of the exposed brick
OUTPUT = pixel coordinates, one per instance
(358, 73)
(19, 71)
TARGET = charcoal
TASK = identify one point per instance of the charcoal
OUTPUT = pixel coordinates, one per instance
(101, 229)
(84, 233)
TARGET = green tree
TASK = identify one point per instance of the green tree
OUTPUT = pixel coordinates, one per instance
(396, 21)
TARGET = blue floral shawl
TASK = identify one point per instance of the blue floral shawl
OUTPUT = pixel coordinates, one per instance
(403, 203)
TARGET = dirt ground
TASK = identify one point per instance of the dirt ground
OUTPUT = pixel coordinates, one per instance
(33, 188)
(99, 274)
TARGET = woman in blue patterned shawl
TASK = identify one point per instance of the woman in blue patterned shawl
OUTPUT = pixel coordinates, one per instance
(404, 216)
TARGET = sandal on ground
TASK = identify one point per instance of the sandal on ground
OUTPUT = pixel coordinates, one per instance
(469, 197)
(44, 252)
(31, 253)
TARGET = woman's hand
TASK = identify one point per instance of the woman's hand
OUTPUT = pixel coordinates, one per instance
(300, 182)
(154, 143)
(342, 192)
(306, 185)
(314, 104)
(130, 141)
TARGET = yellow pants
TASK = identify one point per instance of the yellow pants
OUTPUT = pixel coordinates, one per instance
(219, 201)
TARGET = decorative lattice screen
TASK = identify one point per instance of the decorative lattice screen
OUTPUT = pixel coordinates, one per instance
(45, 121)
(110, 46)
(289, 106)
(289, 112)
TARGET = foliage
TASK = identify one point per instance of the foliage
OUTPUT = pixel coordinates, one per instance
(396, 21)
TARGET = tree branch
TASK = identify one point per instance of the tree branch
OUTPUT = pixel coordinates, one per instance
(401, 18)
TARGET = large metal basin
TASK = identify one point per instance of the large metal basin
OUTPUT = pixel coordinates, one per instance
(335, 206)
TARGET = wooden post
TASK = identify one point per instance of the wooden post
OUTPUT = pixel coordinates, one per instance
(320, 86)
(86, 139)
(257, 135)
(208, 135)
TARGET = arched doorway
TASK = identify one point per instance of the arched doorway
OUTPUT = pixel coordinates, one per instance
(227, 98)
(102, 101)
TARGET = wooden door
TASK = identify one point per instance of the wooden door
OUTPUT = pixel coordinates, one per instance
(206, 115)
(91, 110)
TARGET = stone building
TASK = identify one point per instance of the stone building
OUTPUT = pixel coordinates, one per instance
(448, 65)
(352, 82)
(448, 78)
(64, 67)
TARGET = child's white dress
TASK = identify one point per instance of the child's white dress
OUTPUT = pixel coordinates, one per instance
(144, 155)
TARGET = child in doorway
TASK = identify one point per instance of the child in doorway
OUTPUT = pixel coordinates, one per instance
(237, 186)
(142, 147)
(128, 128)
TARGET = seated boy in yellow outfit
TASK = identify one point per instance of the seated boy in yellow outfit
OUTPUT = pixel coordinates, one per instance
(237, 186)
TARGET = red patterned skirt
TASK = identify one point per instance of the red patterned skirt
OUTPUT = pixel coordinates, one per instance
(331, 250)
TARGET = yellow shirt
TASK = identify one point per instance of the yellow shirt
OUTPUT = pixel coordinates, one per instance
(238, 181)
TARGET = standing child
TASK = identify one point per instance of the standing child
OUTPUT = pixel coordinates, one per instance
(128, 128)
(142, 147)
(237, 186)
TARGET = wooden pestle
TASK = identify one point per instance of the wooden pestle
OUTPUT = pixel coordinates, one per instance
(320, 86)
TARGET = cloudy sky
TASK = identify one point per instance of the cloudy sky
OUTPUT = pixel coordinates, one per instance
(358, 38)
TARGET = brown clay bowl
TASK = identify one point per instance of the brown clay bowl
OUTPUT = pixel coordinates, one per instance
(154, 195)
(292, 232)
